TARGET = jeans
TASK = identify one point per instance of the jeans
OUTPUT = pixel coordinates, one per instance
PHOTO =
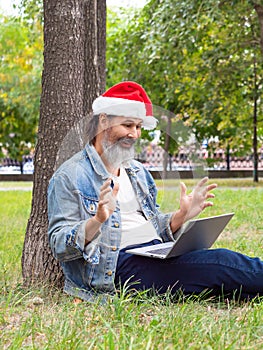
(218, 272)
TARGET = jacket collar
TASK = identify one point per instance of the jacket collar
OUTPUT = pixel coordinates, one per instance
(96, 161)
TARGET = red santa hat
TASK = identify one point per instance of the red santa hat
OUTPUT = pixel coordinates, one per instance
(126, 99)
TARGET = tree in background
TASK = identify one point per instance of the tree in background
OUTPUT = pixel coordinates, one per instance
(20, 70)
(200, 60)
(73, 76)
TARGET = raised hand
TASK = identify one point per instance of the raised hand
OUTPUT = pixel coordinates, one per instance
(107, 200)
(194, 203)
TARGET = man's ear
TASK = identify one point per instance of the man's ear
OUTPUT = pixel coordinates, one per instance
(103, 121)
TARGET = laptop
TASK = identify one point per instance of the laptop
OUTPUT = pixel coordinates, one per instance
(194, 235)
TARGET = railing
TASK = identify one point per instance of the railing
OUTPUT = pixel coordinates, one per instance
(181, 174)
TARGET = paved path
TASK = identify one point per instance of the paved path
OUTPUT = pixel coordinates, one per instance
(15, 188)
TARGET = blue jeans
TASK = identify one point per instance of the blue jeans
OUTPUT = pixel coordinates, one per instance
(219, 272)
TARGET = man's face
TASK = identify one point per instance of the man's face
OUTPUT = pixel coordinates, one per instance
(122, 128)
(119, 138)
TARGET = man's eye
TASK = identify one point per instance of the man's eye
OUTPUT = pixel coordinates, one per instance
(132, 125)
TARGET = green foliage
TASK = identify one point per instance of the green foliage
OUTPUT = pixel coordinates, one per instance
(32, 11)
(200, 60)
(20, 83)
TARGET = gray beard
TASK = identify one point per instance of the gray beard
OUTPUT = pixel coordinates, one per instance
(115, 155)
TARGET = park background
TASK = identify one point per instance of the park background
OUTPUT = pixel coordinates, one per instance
(202, 62)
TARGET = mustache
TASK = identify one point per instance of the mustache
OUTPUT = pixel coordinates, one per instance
(125, 140)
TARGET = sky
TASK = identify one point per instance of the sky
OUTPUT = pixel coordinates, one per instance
(7, 5)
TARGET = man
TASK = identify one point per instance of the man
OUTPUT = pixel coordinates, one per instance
(101, 201)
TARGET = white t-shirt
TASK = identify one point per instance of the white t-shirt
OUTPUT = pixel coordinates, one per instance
(135, 228)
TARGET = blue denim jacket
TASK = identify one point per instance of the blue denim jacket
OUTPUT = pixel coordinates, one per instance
(73, 195)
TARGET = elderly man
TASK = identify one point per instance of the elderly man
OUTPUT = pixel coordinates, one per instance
(102, 201)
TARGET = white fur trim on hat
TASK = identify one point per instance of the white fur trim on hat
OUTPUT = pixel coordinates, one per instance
(125, 108)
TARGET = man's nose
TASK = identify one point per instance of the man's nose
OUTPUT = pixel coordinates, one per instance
(134, 133)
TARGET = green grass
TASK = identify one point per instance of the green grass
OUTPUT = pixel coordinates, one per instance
(234, 182)
(45, 318)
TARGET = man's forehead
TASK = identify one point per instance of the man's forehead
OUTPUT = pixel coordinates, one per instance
(119, 120)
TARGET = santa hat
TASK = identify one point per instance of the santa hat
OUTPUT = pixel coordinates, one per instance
(126, 99)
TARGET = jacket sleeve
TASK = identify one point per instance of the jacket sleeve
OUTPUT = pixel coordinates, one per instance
(66, 229)
(164, 220)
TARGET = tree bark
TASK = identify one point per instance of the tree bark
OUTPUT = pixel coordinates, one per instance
(166, 146)
(255, 125)
(259, 10)
(73, 75)
(228, 157)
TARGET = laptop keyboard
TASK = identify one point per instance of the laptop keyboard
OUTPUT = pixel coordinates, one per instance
(160, 251)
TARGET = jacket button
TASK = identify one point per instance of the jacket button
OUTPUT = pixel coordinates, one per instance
(109, 273)
(116, 224)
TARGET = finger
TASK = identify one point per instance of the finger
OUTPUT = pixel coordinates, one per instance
(183, 188)
(210, 195)
(105, 184)
(206, 189)
(211, 187)
(207, 204)
(115, 189)
(104, 192)
(103, 202)
(202, 182)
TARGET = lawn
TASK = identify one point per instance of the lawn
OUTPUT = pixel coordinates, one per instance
(44, 318)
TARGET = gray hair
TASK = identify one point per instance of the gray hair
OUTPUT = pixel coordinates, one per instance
(92, 127)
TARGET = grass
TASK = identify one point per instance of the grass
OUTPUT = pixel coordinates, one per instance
(232, 182)
(44, 318)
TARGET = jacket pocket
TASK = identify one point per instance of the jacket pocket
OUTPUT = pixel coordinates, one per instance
(90, 204)
(148, 208)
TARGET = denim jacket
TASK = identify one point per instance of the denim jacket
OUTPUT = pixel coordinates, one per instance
(73, 196)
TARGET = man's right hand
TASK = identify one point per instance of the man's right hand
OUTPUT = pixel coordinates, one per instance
(107, 200)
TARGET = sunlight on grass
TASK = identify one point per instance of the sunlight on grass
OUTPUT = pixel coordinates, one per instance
(14, 212)
(44, 318)
(238, 182)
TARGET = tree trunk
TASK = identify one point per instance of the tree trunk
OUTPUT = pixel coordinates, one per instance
(73, 75)
(255, 136)
(259, 10)
(166, 146)
(227, 157)
(255, 144)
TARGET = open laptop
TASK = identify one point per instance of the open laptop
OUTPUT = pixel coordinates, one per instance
(194, 235)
